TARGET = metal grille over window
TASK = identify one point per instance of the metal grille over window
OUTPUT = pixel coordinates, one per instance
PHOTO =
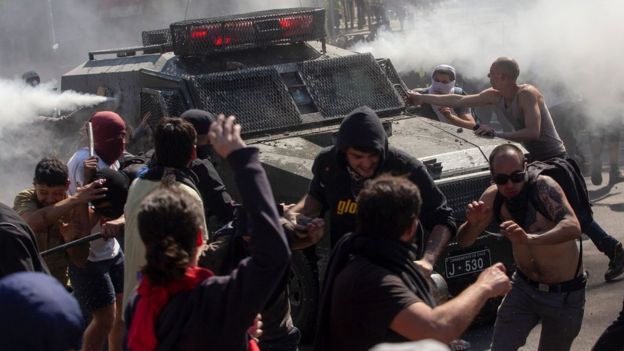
(459, 194)
(156, 37)
(388, 68)
(257, 97)
(161, 103)
(257, 29)
(339, 85)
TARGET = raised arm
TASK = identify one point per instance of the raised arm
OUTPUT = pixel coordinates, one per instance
(250, 285)
(486, 97)
(478, 217)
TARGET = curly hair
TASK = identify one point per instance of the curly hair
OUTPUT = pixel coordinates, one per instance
(169, 221)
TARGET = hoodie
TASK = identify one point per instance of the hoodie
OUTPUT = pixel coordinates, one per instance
(336, 189)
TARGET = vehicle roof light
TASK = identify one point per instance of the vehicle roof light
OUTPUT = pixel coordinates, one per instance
(204, 37)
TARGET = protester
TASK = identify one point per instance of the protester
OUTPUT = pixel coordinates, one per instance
(609, 129)
(549, 284)
(373, 291)
(525, 117)
(99, 283)
(174, 141)
(46, 208)
(443, 80)
(38, 314)
(217, 201)
(18, 245)
(361, 153)
(181, 306)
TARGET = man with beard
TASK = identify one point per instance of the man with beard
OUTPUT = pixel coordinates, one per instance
(46, 208)
(361, 152)
(549, 284)
(522, 111)
(443, 80)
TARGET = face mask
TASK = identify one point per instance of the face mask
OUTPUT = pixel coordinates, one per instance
(442, 88)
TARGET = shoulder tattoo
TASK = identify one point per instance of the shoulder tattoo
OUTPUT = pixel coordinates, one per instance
(551, 195)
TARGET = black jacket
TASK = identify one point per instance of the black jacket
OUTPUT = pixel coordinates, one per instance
(335, 189)
(18, 246)
(216, 314)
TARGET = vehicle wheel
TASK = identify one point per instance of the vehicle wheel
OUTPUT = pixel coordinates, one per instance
(303, 294)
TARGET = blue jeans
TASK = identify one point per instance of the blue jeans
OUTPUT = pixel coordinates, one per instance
(603, 241)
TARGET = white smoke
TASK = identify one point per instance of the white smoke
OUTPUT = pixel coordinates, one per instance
(24, 138)
(565, 47)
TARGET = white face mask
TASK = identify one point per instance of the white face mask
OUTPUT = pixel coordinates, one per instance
(442, 88)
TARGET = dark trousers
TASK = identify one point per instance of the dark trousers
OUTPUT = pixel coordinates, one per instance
(612, 338)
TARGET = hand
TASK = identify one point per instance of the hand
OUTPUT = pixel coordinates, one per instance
(425, 267)
(255, 331)
(477, 211)
(494, 280)
(93, 191)
(485, 131)
(225, 136)
(288, 214)
(446, 111)
(514, 233)
(90, 168)
(112, 228)
(414, 98)
(312, 230)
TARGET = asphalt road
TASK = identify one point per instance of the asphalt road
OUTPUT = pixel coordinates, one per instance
(603, 300)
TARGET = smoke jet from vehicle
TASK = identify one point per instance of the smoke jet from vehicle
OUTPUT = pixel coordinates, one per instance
(24, 137)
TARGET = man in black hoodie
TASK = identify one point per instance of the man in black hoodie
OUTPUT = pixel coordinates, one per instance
(361, 152)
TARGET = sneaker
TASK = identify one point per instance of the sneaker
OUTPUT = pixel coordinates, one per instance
(596, 176)
(616, 264)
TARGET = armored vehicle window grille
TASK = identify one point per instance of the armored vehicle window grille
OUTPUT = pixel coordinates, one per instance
(339, 85)
(156, 37)
(460, 193)
(257, 29)
(257, 97)
(161, 103)
(388, 68)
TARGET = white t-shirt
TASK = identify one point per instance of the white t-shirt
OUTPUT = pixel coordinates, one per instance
(100, 249)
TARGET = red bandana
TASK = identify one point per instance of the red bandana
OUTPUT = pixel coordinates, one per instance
(142, 334)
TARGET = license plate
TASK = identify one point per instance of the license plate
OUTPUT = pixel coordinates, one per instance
(467, 263)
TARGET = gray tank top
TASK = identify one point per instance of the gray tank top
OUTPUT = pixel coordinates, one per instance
(548, 145)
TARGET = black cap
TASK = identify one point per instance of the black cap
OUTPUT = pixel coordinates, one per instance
(200, 119)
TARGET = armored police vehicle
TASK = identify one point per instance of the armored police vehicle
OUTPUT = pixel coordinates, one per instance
(290, 90)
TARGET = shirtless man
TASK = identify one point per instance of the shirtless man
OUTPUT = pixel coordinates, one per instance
(549, 284)
(522, 110)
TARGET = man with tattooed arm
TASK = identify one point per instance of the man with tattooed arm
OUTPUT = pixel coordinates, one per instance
(549, 284)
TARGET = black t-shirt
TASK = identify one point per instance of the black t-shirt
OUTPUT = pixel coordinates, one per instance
(217, 201)
(365, 300)
(332, 186)
(18, 246)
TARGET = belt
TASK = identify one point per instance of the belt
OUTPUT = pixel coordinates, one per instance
(577, 283)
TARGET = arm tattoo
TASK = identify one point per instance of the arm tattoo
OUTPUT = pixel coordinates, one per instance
(551, 196)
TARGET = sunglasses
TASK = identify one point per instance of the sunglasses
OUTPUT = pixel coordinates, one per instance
(515, 177)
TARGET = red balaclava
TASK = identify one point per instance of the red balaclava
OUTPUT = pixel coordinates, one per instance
(108, 135)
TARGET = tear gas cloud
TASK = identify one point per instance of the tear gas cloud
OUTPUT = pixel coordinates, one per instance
(568, 49)
(24, 138)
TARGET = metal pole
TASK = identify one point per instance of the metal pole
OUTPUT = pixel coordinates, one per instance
(71, 244)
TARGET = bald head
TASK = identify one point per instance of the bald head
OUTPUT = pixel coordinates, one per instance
(507, 66)
(506, 152)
